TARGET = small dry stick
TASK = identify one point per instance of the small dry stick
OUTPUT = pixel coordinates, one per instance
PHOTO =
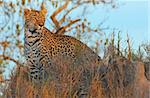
(129, 48)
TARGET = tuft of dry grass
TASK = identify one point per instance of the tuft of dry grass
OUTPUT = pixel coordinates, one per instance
(121, 78)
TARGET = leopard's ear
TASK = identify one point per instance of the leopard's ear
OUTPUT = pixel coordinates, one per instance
(43, 10)
(26, 11)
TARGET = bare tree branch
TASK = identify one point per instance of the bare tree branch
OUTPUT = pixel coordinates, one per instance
(11, 59)
(64, 17)
(62, 30)
(53, 16)
(70, 29)
(4, 81)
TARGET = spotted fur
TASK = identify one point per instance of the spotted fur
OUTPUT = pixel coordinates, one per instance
(43, 49)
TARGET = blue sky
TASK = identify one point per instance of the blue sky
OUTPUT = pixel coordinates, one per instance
(130, 16)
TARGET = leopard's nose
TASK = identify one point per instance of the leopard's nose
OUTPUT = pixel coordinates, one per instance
(32, 28)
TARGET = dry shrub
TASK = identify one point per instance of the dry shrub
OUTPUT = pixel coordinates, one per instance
(121, 78)
(147, 70)
(120, 75)
(125, 79)
(68, 85)
(95, 88)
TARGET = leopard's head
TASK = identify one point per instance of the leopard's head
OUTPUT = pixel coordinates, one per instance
(34, 18)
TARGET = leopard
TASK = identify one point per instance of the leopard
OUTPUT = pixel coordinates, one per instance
(45, 50)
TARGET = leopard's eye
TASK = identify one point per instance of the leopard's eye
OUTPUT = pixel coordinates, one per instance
(33, 14)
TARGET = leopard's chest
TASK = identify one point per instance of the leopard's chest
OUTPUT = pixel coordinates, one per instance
(32, 46)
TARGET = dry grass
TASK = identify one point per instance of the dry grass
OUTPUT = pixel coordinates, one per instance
(119, 79)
